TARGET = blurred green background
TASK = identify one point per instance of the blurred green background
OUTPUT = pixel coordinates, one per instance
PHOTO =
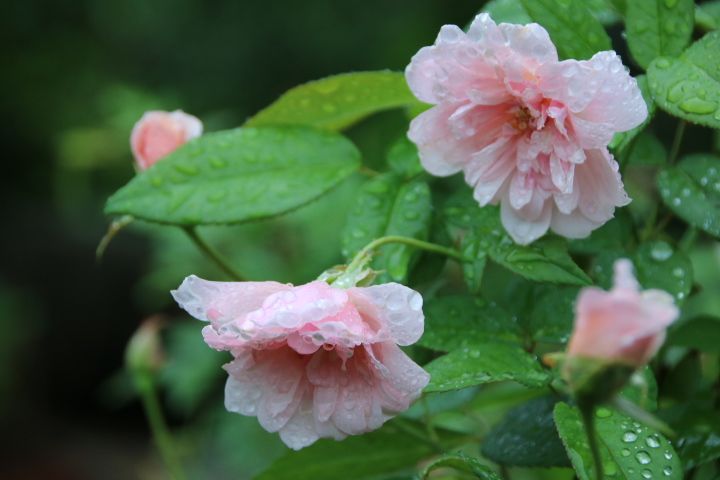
(75, 77)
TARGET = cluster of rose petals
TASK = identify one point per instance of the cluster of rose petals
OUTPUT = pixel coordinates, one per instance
(528, 131)
(312, 361)
(158, 133)
(625, 325)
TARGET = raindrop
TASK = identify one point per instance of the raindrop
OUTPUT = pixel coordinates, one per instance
(676, 201)
(603, 413)
(330, 108)
(646, 473)
(661, 251)
(667, 471)
(326, 87)
(625, 452)
(216, 162)
(679, 273)
(629, 436)
(667, 454)
(661, 63)
(670, 3)
(670, 26)
(156, 181)
(642, 457)
(652, 441)
(698, 106)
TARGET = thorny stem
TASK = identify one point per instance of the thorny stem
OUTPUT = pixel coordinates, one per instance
(159, 428)
(677, 140)
(212, 254)
(368, 250)
(588, 419)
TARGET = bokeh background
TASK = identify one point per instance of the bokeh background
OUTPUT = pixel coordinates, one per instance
(75, 76)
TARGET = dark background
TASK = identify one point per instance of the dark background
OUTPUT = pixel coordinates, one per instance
(75, 76)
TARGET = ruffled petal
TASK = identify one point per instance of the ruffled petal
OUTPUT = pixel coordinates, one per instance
(394, 310)
(220, 302)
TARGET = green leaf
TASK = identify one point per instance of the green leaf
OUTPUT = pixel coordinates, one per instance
(545, 260)
(484, 363)
(701, 333)
(552, 316)
(616, 235)
(338, 101)
(403, 158)
(658, 266)
(527, 437)
(657, 28)
(191, 369)
(457, 321)
(692, 191)
(382, 452)
(689, 86)
(473, 270)
(574, 30)
(460, 461)
(707, 15)
(647, 150)
(386, 205)
(238, 175)
(628, 449)
(622, 140)
(507, 11)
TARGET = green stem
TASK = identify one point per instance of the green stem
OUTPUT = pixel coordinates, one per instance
(677, 140)
(588, 418)
(379, 242)
(158, 426)
(688, 238)
(212, 254)
(428, 421)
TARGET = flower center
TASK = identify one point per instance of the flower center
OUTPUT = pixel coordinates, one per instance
(522, 119)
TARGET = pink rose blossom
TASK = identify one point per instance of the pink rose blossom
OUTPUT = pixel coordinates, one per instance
(158, 134)
(529, 132)
(624, 325)
(312, 361)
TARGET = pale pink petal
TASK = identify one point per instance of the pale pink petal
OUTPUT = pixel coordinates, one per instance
(300, 431)
(393, 309)
(159, 133)
(572, 225)
(220, 302)
(600, 186)
(398, 370)
(529, 223)
(531, 41)
(489, 170)
(623, 325)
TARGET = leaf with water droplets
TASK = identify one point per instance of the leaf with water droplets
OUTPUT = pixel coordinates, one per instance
(403, 158)
(616, 234)
(357, 457)
(692, 191)
(485, 363)
(527, 437)
(658, 28)
(574, 30)
(623, 140)
(701, 333)
(628, 449)
(387, 205)
(553, 313)
(336, 102)
(689, 86)
(659, 266)
(707, 15)
(545, 260)
(462, 462)
(456, 321)
(238, 175)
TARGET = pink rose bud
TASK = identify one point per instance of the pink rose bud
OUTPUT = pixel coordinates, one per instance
(528, 132)
(625, 325)
(157, 134)
(312, 361)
